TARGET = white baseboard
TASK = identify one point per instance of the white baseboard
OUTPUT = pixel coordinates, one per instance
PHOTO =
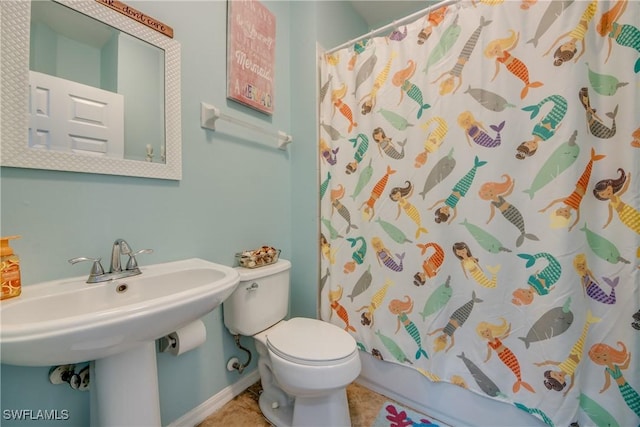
(215, 402)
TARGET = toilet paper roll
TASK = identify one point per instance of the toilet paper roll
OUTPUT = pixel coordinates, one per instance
(187, 338)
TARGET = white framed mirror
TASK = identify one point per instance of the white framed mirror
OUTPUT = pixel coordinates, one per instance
(146, 138)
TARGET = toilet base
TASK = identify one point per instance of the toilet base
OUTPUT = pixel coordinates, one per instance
(282, 416)
(330, 410)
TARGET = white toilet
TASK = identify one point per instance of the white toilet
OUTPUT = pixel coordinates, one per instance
(305, 365)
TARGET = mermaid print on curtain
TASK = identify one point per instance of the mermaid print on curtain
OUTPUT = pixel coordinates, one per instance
(480, 203)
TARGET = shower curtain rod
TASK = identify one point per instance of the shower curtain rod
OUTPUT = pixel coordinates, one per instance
(394, 24)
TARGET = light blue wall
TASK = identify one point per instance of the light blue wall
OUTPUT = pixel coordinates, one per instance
(42, 49)
(234, 195)
(327, 24)
(144, 96)
(109, 64)
(57, 55)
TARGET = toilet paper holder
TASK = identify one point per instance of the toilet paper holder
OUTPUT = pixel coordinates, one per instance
(184, 339)
(167, 343)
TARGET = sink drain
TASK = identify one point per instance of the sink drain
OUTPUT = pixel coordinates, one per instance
(122, 288)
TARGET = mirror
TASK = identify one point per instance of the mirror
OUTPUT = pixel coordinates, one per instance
(138, 135)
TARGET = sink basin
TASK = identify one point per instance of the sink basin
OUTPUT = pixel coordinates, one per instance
(113, 325)
(69, 321)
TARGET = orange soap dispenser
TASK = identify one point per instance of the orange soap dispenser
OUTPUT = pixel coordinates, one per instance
(9, 269)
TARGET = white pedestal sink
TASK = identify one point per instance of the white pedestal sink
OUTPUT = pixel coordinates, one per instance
(113, 324)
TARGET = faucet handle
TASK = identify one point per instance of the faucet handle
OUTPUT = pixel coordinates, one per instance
(132, 264)
(96, 268)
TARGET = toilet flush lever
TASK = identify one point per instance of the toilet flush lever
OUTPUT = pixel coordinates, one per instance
(254, 286)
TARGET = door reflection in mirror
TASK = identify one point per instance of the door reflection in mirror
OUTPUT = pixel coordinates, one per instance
(99, 91)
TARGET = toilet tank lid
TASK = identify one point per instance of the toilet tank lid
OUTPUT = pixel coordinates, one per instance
(247, 274)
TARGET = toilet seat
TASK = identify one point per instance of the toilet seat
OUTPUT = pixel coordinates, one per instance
(311, 342)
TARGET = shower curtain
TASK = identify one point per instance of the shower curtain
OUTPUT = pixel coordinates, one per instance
(480, 208)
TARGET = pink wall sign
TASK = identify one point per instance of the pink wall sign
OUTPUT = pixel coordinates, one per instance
(251, 47)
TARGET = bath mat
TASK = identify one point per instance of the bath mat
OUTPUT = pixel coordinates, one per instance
(393, 415)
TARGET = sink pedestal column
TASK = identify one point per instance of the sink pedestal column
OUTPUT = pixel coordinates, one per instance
(126, 389)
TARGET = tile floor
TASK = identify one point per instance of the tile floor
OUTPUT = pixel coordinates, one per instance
(243, 410)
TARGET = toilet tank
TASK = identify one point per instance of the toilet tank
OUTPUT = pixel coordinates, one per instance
(261, 299)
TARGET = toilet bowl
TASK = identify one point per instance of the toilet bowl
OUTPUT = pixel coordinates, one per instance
(305, 364)
(312, 362)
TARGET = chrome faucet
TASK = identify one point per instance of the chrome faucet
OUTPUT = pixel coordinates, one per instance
(120, 247)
